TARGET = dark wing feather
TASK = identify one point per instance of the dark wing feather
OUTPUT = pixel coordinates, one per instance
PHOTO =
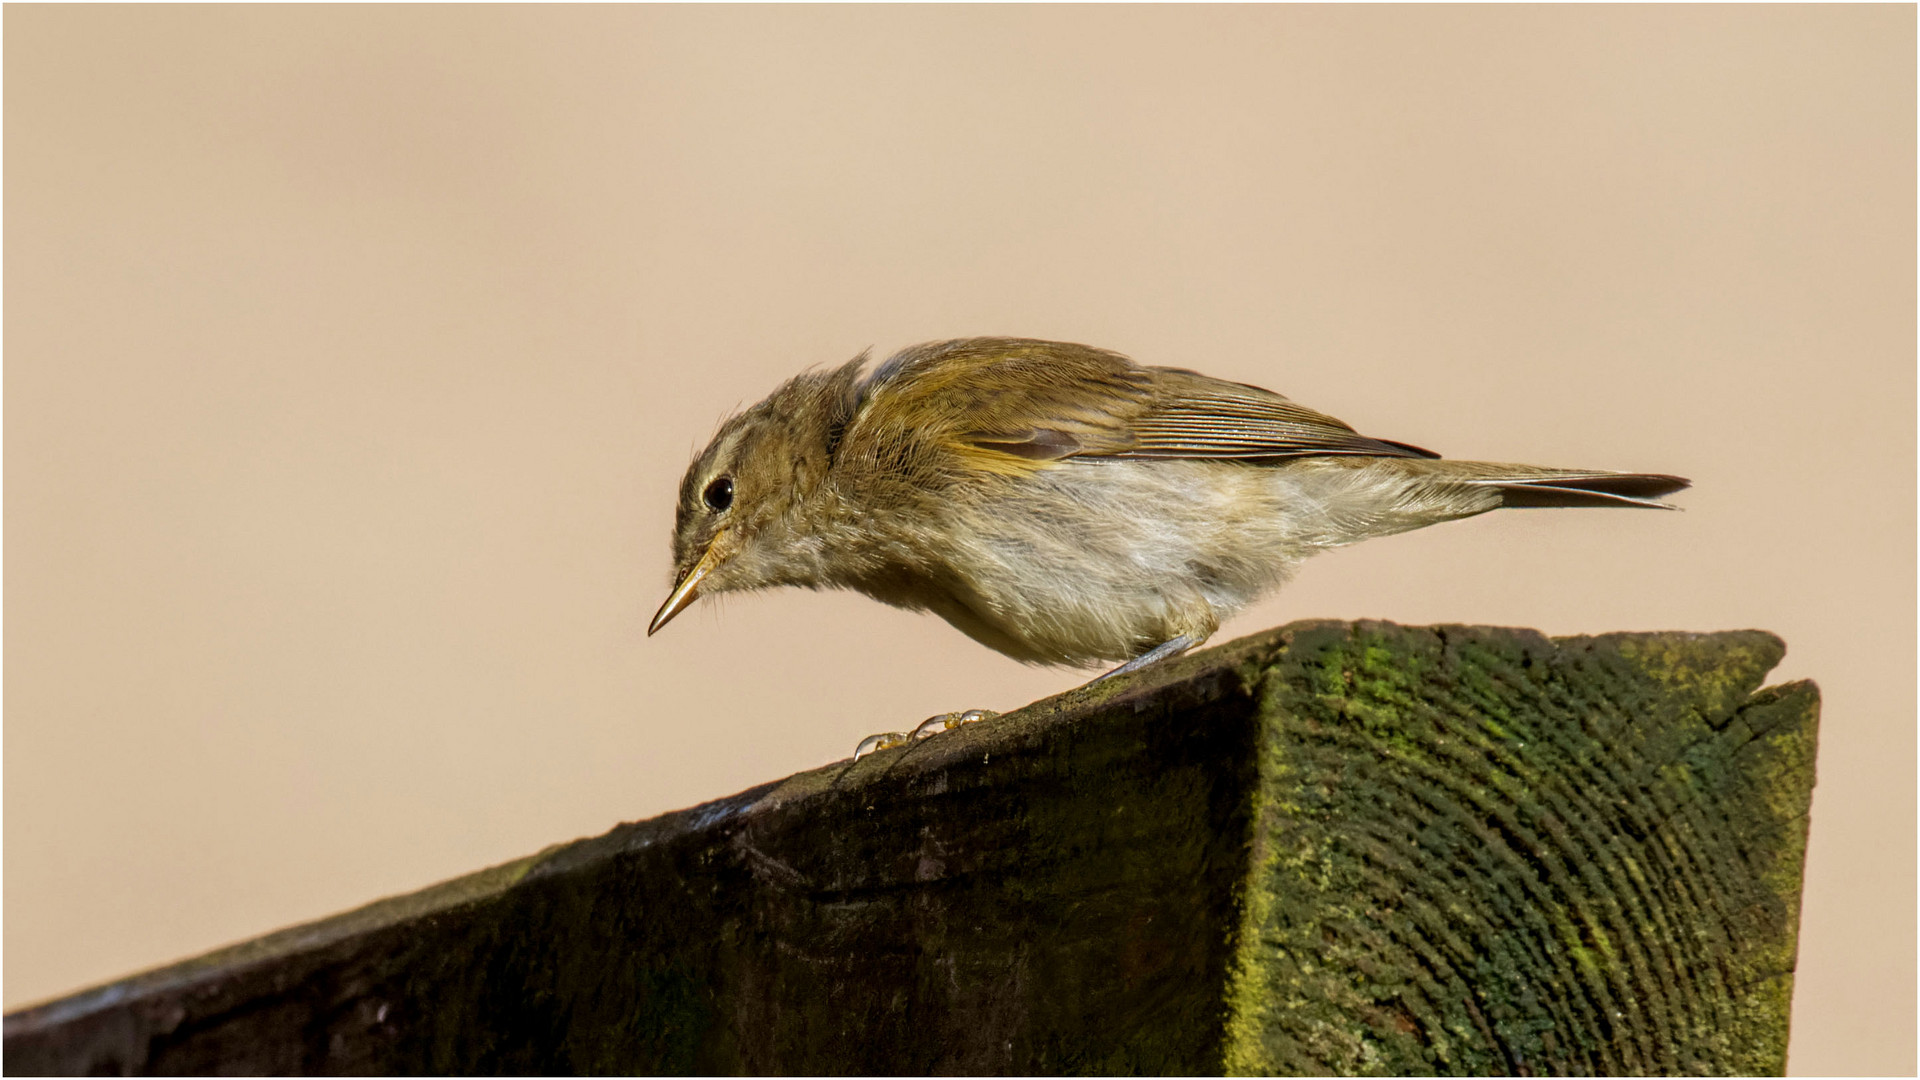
(1193, 415)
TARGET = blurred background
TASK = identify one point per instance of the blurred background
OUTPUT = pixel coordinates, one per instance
(354, 354)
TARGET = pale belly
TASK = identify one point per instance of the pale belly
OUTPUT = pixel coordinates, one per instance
(1097, 562)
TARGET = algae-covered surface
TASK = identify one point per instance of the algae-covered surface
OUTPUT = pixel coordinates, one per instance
(1488, 852)
(1329, 848)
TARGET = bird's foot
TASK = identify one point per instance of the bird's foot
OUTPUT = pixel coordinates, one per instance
(932, 725)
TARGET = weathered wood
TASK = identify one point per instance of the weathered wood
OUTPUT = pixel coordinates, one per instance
(1330, 848)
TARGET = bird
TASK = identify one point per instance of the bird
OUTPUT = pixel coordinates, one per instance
(1060, 503)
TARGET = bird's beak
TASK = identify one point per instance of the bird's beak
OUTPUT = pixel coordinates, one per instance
(689, 588)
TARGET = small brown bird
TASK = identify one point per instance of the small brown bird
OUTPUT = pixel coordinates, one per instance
(1060, 503)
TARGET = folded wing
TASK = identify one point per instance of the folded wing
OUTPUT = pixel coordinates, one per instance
(1193, 415)
(1013, 405)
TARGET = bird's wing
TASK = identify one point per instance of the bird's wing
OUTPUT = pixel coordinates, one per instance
(1009, 406)
(1197, 416)
(1005, 406)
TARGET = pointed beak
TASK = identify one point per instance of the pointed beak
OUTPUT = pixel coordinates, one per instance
(688, 589)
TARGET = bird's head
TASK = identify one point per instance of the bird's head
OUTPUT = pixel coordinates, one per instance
(744, 517)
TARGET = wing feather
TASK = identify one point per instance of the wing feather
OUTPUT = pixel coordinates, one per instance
(1009, 406)
(1194, 415)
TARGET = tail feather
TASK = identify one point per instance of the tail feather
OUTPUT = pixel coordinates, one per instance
(1552, 487)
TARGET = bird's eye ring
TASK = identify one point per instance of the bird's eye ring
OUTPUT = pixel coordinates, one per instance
(719, 494)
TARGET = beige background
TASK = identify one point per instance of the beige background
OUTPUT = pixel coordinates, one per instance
(353, 356)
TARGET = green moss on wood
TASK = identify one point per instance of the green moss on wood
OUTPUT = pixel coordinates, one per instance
(1487, 852)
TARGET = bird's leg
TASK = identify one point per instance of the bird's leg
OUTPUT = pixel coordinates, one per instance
(932, 725)
(1163, 651)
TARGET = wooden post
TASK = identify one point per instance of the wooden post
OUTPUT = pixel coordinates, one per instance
(1329, 848)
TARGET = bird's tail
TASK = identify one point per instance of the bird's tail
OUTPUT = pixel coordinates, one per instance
(1528, 485)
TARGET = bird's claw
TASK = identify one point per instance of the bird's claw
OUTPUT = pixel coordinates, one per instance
(932, 725)
(886, 740)
(947, 722)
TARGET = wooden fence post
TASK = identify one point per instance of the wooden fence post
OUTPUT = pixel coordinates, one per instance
(1329, 848)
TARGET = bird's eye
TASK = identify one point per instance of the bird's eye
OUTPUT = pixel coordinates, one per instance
(719, 494)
